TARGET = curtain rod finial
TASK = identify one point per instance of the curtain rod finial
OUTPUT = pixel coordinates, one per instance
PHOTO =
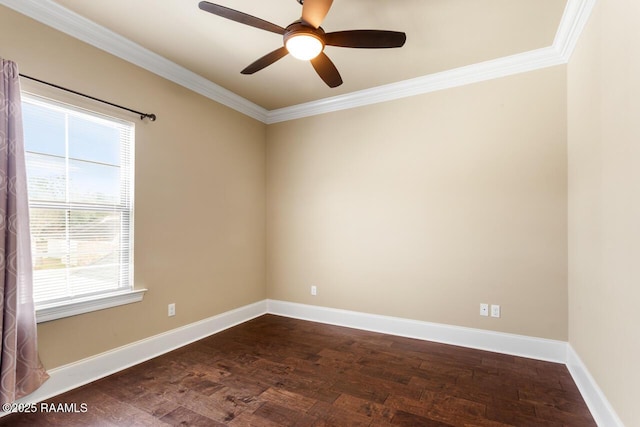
(151, 117)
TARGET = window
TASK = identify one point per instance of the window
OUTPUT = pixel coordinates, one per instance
(80, 182)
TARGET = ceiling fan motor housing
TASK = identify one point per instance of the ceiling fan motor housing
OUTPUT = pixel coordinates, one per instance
(299, 28)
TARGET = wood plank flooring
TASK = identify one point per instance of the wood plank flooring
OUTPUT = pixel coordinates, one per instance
(275, 371)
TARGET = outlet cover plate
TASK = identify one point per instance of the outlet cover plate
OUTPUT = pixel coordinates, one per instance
(495, 310)
(484, 310)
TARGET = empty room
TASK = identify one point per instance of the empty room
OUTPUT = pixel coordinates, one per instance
(431, 219)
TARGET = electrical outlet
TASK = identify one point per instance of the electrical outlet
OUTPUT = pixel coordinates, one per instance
(171, 310)
(314, 290)
(495, 310)
(484, 309)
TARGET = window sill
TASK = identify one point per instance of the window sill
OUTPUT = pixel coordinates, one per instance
(46, 313)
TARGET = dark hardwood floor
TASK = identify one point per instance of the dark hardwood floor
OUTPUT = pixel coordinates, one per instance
(275, 371)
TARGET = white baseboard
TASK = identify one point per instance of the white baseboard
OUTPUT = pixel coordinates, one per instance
(602, 411)
(517, 345)
(79, 373)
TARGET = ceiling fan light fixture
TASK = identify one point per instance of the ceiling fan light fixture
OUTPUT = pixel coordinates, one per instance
(304, 46)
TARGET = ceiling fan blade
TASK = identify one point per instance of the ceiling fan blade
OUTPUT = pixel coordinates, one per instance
(266, 60)
(314, 11)
(367, 39)
(326, 70)
(240, 17)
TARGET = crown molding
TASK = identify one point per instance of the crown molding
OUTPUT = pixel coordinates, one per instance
(502, 67)
(575, 17)
(573, 20)
(68, 22)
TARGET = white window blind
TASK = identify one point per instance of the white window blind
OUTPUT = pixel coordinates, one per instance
(80, 183)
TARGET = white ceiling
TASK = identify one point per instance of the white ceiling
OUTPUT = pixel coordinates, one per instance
(449, 43)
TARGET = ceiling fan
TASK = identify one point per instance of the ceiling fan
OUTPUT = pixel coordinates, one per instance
(305, 39)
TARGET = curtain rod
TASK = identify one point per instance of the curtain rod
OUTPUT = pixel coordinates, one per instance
(151, 117)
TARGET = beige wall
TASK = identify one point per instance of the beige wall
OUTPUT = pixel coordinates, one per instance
(425, 207)
(604, 202)
(199, 212)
